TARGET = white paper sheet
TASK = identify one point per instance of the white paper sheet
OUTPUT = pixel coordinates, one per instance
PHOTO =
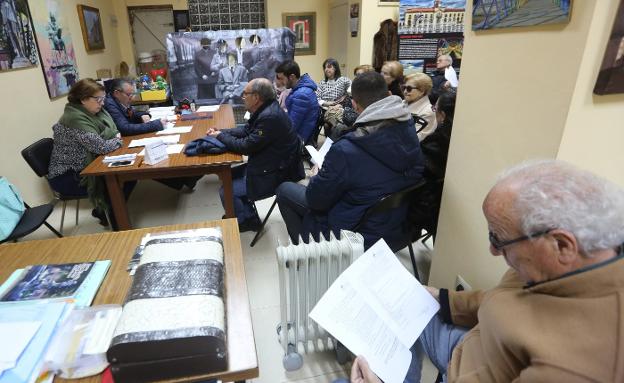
(377, 309)
(121, 157)
(175, 130)
(208, 108)
(171, 149)
(169, 140)
(451, 76)
(318, 156)
(15, 337)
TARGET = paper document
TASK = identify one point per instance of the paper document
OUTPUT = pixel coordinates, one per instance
(175, 130)
(162, 109)
(171, 149)
(169, 140)
(318, 156)
(451, 76)
(168, 117)
(247, 116)
(377, 309)
(15, 337)
(208, 108)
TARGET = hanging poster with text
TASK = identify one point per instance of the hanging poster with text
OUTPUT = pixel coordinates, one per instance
(429, 29)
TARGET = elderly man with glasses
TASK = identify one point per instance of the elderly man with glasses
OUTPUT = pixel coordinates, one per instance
(273, 148)
(557, 315)
(129, 121)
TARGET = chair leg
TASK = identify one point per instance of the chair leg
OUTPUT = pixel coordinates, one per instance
(266, 218)
(77, 210)
(63, 215)
(411, 251)
(53, 230)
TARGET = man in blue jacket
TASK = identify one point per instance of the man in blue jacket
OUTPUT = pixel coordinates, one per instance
(273, 149)
(381, 156)
(129, 121)
(302, 104)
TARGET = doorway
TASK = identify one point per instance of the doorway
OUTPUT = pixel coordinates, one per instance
(339, 33)
(149, 26)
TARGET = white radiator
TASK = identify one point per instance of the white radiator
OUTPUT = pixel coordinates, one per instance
(305, 272)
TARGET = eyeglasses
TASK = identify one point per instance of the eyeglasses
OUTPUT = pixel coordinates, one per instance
(245, 94)
(98, 99)
(499, 245)
(130, 94)
(408, 88)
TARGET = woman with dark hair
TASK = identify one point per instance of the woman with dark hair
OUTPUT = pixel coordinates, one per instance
(392, 71)
(84, 131)
(435, 146)
(333, 88)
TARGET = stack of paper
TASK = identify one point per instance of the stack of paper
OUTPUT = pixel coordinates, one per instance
(121, 157)
(167, 112)
(175, 130)
(208, 108)
(169, 140)
(28, 326)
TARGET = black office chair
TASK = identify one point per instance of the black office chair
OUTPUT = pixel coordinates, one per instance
(424, 210)
(38, 156)
(32, 219)
(390, 202)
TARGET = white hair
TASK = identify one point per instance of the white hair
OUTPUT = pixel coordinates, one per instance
(447, 58)
(551, 194)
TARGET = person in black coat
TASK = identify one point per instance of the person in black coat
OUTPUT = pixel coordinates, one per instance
(273, 148)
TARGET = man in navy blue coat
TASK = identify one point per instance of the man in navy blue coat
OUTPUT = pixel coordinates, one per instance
(301, 103)
(129, 121)
(381, 156)
(273, 149)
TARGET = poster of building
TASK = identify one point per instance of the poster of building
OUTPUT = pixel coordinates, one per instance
(56, 50)
(17, 44)
(428, 29)
(213, 67)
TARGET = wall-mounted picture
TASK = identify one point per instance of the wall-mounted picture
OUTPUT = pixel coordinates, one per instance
(17, 44)
(56, 49)
(304, 27)
(431, 16)
(523, 13)
(611, 77)
(91, 26)
(388, 2)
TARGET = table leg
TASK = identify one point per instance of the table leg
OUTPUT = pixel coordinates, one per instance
(118, 202)
(225, 175)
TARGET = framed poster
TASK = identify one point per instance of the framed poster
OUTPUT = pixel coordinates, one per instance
(17, 44)
(611, 76)
(91, 26)
(56, 50)
(303, 25)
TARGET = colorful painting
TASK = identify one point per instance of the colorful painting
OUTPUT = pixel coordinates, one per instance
(611, 77)
(304, 27)
(91, 26)
(487, 14)
(56, 50)
(17, 44)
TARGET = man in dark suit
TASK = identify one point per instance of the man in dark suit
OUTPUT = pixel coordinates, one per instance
(272, 146)
(206, 77)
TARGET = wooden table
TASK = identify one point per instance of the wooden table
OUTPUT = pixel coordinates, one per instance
(178, 165)
(119, 247)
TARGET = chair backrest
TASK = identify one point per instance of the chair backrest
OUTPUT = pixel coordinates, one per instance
(389, 202)
(38, 155)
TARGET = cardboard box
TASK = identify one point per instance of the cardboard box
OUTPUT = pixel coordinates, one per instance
(153, 95)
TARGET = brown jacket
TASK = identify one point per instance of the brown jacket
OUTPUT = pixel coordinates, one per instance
(385, 44)
(566, 330)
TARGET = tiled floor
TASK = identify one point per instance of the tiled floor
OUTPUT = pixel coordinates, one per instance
(152, 204)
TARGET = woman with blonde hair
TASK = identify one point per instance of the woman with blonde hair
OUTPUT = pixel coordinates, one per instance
(416, 91)
(392, 71)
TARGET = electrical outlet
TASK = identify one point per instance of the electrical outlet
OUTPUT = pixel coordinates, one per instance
(461, 284)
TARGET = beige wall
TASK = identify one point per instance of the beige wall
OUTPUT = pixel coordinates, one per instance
(28, 113)
(372, 14)
(594, 135)
(310, 63)
(515, 95)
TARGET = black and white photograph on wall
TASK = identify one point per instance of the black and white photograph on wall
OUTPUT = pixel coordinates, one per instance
(213, 67)
(611, 76)
(17, 44)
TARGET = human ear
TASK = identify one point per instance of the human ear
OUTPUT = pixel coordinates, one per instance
(566, 246)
